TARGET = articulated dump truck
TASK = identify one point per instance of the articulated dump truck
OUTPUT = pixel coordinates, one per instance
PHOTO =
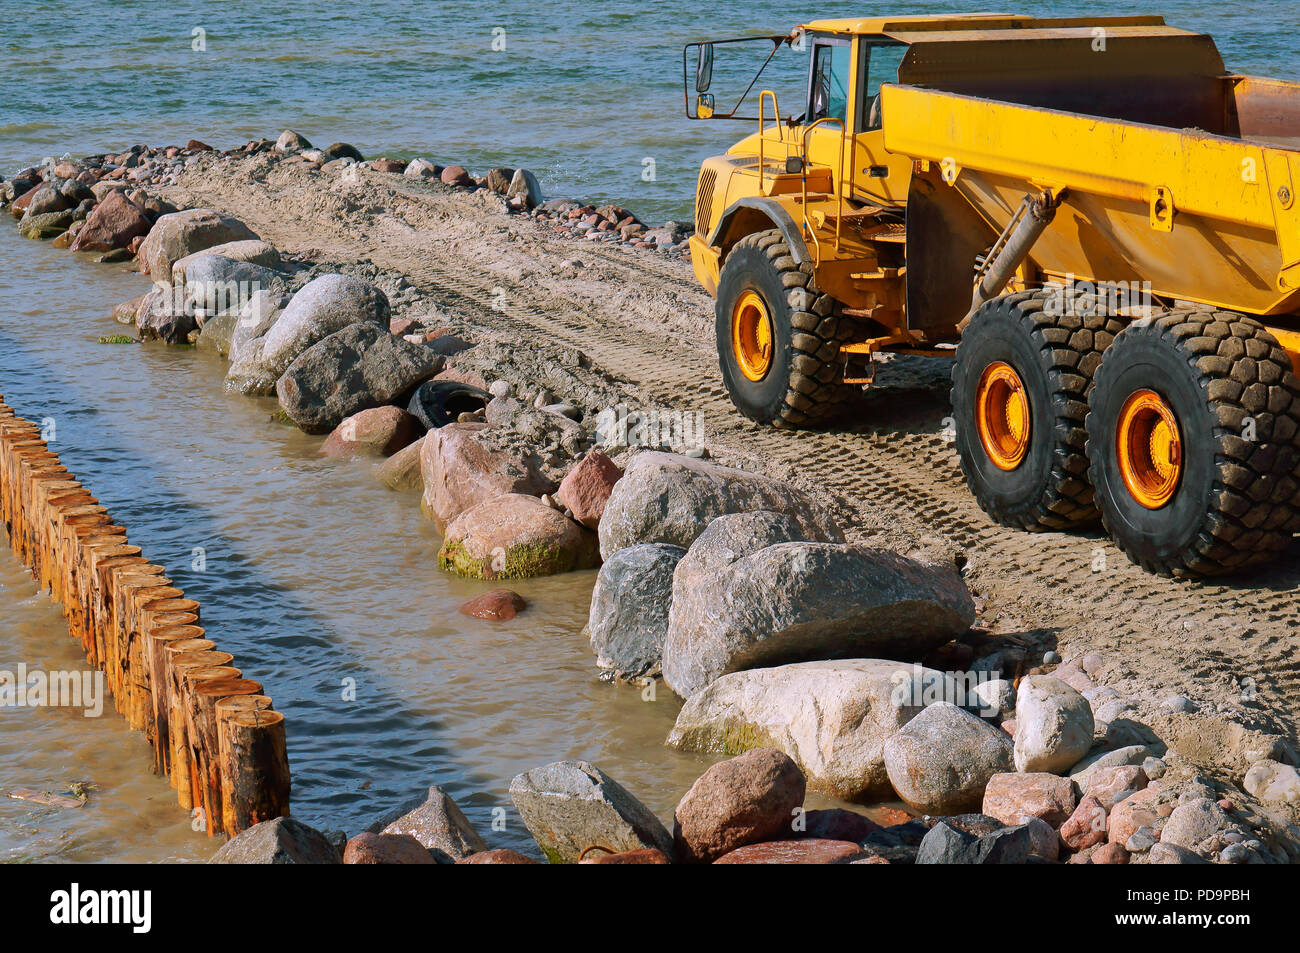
(1092, 217)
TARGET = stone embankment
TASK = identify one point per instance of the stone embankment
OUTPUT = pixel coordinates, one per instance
(816, 663)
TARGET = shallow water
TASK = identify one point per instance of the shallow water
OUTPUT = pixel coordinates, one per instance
(314, 575)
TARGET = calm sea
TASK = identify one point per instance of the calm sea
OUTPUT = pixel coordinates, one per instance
(582, 93)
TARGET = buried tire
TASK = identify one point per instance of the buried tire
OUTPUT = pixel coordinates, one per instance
(438, 403)
(1019, 400)
(778, 336)
(1192, 444)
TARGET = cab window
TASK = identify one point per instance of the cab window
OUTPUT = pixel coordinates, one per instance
(829, 92)
(881, 62)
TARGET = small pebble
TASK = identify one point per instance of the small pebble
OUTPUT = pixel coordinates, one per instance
(1179, 703)
(1234, 854)
(1051, 658)
(1140, 840)
(1153, 768)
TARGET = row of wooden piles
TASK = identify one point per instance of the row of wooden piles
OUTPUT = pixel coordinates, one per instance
(214, 734)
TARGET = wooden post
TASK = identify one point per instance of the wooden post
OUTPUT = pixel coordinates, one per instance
(254, 768)
(163, 634)
(205, 694)
(178, 662)
(197, 732)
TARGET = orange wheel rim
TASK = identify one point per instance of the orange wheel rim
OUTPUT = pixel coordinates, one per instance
(1149, 448)
(1002, 415)
(751, 336)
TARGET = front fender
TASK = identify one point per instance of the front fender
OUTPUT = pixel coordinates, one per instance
(757, 214)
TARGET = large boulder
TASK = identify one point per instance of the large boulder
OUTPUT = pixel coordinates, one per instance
(569, 806)
(401, 471)
(629, 609)
(323, 306)
(832, 718)
(746, 800)
(248, 251)
(368, 848)
(164, 316)
(941, 760)
(262, 310)
(377, 432)
(279, 841)
(946, 844)
(461, 469)
(215, 284)
(43, 225)
(740, 603)
(114, 222)
(516, 536)
(1054, 725)
(438, 823)
(179, 234)
(1014, 797)
(359, 367)
(669, 498)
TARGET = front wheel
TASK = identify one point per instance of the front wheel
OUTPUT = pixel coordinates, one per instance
(778, 336)
(1192, 444)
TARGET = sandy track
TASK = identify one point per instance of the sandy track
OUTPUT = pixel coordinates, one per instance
(1232, 646)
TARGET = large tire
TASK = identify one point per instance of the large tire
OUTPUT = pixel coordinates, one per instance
(1237, 492)
(803, 383)
(1054, 356)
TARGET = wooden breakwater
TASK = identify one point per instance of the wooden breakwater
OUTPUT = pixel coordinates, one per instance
(214, 734)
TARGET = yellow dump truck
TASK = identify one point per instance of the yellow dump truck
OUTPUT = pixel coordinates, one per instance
(1093, 217)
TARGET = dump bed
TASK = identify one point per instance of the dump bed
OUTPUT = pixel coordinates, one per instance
(1209, 216)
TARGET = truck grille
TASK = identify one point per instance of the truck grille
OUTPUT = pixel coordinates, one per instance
(704, 202)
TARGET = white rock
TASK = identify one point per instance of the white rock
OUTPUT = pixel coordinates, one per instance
(1053, 725)
(1273, 781)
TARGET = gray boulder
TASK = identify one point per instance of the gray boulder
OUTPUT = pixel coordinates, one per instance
(1193, 822)
(669, 498)
(178, 234)
(629, 609)
(438, 823)
(321, 307)
(216, 333)
(1119, 757)
(569, 806)
(948, 845)
(217, 285)
(525, 187)
(279, 841)
(351, 370)
(831, 718)
(1053, 725)
(164, 316)
(262, 310)
(941, 760)
(250, 251)
(735, 609)
(40, 226)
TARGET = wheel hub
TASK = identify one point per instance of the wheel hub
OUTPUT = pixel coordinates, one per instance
(1002, 415)
(1149, 448)
(751, 336)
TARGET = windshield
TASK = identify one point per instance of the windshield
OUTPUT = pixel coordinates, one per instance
(829, 92)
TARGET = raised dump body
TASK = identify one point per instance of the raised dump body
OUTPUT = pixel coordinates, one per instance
(1206, 213)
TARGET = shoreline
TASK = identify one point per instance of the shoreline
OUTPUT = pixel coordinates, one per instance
(544, 373)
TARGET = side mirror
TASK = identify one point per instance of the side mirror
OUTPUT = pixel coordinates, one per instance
(704, 68)
(704, 106)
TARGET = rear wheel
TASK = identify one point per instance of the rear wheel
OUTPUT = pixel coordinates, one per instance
(778, 336)
(1019, 399)
(1192, 444)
